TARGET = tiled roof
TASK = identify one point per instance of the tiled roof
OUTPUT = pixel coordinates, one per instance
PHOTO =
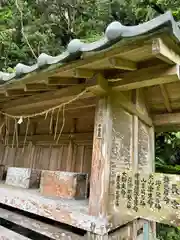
(114, 33)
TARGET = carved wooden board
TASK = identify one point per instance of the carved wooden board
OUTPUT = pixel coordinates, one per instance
(153, 196)
(144, 161)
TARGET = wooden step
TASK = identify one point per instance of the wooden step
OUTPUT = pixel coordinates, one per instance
(6, 234)
(38, 226)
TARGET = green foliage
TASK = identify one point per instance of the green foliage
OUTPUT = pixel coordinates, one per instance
(167, 145)
(166, 232)
(50, 25)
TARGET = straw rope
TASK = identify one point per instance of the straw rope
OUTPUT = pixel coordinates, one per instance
(45, 111)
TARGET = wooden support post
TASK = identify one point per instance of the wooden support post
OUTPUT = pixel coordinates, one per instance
(122, 141)
(100, 160)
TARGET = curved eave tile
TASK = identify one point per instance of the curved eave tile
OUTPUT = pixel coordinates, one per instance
(114, 33)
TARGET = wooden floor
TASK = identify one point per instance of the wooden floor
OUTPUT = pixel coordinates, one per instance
(47, 230)
(71, 212)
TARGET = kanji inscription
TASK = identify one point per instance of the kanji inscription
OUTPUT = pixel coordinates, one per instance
(152, 196)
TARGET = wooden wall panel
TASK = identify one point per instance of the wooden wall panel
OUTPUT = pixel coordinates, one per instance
(43, 157)
(41, 149)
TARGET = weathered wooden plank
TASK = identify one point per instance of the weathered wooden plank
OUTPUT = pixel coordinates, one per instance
(112, 63)
(23, 177)
(154, 196)
(98, 85)
(69, 185)
(164, 52)
(122, 155)
(98, 200)
(45, 99)
(71, 212)
(130, 107)
(123, 63)
(78, 138)
(62, 81)
(6, 234)
(38, 227)
(166, 119)
(147, 77)
(38, 87)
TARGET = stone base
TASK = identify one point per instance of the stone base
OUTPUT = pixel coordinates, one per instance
(64, 184)
(23, 177)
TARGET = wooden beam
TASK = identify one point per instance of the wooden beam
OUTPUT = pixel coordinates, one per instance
(100, 169)
(111, 63)
(164, 52)
(34, 87)
(122, 63)
(146, 77)
(166, 119)
(131, 108)
(45, 100)
(17, 93)
(75, 73)
(49, 139)
(165, 97)
(62, 81)
(98, 85)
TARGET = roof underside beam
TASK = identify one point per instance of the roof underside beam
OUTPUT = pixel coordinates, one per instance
(169, 53)
(146, 77)
(167, 121)
(43, 101)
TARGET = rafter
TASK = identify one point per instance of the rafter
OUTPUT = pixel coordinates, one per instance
(122, 63)
(164, 52)
(34, 87)
(44, 100)
(76, 73)
(17, 93)
(146, 77)
(98, 85)
(112, 63)
(62, 81)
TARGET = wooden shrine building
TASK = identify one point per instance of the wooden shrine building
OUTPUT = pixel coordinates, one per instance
(70, 123)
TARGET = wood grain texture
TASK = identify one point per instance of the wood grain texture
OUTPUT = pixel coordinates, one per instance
(23, 177)
(69, 185)
(53, 232)
(100, 160)
(121, 156)
(71, 212)
(154, 196)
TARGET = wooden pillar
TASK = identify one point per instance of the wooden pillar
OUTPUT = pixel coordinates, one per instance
(100, 160)
(123, 140)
